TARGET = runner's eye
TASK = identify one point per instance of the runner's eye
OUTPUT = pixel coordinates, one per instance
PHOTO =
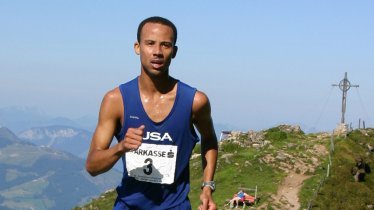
(167, 45)
(149, 43)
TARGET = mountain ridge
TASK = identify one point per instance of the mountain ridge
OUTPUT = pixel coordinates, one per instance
(65, 138)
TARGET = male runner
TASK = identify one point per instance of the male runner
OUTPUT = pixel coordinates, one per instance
(153, 118)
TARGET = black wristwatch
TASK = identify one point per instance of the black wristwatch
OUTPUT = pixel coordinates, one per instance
(210, 184)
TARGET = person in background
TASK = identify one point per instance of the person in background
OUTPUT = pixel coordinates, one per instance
(237, 197)
(153, 118)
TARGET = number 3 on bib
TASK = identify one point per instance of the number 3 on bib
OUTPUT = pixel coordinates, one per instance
(152, 163)
(148, 171)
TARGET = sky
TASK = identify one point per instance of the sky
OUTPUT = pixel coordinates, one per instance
(261, 63)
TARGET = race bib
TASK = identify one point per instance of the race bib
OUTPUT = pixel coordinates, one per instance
(152, 163)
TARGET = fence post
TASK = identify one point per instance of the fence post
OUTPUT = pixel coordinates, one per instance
(332, 147)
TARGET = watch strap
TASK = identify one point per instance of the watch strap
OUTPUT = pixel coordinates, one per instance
(210, 184)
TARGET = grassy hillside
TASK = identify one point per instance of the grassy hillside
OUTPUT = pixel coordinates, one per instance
(267, 158)
(340, 190)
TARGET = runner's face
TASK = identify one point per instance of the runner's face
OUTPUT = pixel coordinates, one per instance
(156, 48)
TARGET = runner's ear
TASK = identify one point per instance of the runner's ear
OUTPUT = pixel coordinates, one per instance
(137, 48)
(175, 49)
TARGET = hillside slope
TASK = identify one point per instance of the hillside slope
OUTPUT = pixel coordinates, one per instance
(351, 184)
(33, 177)
(287, 167)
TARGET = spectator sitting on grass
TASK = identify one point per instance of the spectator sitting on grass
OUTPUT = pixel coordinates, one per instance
(238, 197)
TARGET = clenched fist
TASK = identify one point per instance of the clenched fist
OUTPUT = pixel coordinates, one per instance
(133, 138)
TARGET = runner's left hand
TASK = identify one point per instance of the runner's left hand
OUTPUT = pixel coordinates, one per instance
(206, 199)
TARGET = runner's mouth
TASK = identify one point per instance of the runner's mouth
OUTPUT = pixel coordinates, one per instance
(157, 64)
(157, 61)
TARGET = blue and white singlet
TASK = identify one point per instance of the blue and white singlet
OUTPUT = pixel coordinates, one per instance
(156, 176)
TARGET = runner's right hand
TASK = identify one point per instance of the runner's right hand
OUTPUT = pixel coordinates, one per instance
(133, 138)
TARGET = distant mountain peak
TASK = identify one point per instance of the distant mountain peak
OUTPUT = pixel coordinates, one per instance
(7, 137)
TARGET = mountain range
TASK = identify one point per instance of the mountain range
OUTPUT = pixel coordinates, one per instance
(19, 119)
(64, 138)
(40, 177)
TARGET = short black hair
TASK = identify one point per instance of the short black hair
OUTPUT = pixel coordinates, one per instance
(157, 19)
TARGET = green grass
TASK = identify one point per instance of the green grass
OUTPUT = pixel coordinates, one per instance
(243, 171)
(104, 202)
(340, 191)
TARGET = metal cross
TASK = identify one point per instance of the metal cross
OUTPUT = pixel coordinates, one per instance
(344, 86)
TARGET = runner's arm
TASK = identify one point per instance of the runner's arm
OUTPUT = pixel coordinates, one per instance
(209, 147)
(100, 157)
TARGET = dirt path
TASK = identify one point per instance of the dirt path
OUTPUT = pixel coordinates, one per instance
(296, 165)
(287, 196)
